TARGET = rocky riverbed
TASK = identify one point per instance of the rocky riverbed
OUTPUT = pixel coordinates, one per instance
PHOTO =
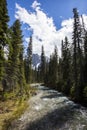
(50, 110)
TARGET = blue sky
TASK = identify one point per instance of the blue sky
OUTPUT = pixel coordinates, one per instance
(54, 8)
(57, 14)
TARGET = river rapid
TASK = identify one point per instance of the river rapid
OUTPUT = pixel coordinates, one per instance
(51, 110)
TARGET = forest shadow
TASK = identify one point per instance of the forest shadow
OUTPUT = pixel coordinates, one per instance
(53, 120)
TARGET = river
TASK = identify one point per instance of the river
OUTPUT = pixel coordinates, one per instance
(51, 110)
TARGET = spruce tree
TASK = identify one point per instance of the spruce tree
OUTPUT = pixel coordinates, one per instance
(85, 59)
(53, 69)
(21, 76)
(43, 65)
(29, 62)
(14, 71)
(46, 79)
(77, 56)
(55, 65)
(4, 18)
(85, 69)
(66, 66)
(60, 75)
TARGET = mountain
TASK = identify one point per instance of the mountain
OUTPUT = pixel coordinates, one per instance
(36, 59)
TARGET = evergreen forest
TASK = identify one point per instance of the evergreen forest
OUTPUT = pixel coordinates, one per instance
(66, 73)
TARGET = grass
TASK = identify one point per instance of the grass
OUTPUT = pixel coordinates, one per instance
(9, 111)
(13, 107)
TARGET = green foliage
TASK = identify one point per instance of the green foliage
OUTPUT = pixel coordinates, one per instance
(28, 63)
(42, 65)
(52, 70)
(60, 86)
(4, 18)
(1, 63)
(61, 74)
(72, 92)
(9, 95)
(15, 65)
(69, 75)
(77, 55)
(85, 59)
(66, 65)
(85, 93)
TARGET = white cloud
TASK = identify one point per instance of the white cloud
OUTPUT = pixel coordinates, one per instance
(35, 5)
(44, 30)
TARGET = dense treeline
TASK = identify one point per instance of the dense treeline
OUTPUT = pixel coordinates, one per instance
(68, 73)
(15, 70)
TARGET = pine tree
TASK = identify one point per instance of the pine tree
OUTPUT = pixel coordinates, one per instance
(77, 56)
(55, 62)
(21, 76)
(60, 75)
(75, 35)
(66, 66)
(85, 69)
(52, 75)
(43, 65)
(85, 59)
(14, 71)
(46, 79)
(25, 68)
(29, 62)
(4, 18)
